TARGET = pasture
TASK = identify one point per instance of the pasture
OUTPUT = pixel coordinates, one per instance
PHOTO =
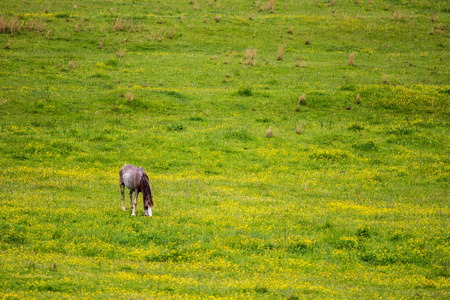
(260, 192)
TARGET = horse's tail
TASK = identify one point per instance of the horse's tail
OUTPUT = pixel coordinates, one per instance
(146, 188)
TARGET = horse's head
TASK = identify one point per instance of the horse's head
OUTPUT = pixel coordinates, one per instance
(147, 195)
(148, 204)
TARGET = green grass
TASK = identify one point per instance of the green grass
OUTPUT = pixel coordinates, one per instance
(355, 205)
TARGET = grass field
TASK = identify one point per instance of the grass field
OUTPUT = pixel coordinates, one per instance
(260, 192)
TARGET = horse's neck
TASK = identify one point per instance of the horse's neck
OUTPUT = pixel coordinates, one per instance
(145, 186)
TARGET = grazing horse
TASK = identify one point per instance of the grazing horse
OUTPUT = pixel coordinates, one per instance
(136, 180)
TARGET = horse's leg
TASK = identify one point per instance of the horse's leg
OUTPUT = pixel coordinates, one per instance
(133, 207)
(136, 194)
(122, 187)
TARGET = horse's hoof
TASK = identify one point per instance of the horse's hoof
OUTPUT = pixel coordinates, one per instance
(124, 209)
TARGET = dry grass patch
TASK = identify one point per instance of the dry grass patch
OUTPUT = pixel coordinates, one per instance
(398, 15)
(270, 6)
(249, 56)
(351, 59)
(121, 52)
(281, 52)
(301, 64)
(302, 100)
(434, 17)
(126, 25)
(172, 33)
(291, 30)
(9, 25)
(38, 26)
(129, 96)
(331, 3)
(14, 26)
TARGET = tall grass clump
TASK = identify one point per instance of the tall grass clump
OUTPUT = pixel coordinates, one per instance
(302, 100)
(126, 25)
(270, 6)
(351, 59)
(281, 52)
(121, 53)
(15, 26)
(301, 64)
(249, 56)
(129, 96)
(10, 25)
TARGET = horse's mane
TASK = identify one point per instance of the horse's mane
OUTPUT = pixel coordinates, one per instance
(146, 188)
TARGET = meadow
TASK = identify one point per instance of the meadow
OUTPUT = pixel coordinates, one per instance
(296, 149)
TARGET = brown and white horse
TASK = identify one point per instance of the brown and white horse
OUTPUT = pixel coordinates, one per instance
(136, 180)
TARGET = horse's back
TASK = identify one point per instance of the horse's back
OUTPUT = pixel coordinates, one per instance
(128, 175)
(128, 168)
